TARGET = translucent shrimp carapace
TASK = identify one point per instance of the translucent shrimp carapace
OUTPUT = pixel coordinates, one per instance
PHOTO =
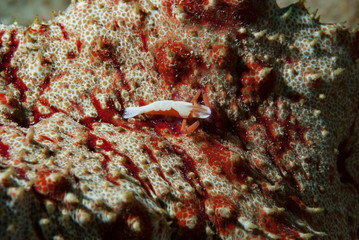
(180, 109)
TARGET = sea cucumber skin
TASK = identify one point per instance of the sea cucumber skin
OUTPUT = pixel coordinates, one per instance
(276, 159)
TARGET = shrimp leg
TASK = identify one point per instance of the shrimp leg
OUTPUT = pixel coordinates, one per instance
(189, 129)
(194, 100)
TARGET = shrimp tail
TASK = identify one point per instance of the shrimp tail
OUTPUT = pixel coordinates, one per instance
(132, 112)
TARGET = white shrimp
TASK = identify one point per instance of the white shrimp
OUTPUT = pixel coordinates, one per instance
(179, 109)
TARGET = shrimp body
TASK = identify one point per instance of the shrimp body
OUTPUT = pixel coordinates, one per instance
(178, 109)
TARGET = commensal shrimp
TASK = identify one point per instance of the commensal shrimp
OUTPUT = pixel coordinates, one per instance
(180, 109)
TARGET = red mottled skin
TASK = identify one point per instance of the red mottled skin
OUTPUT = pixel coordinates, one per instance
(277, 158)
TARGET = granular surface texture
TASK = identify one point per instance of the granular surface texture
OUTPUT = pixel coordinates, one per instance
(277, 158)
